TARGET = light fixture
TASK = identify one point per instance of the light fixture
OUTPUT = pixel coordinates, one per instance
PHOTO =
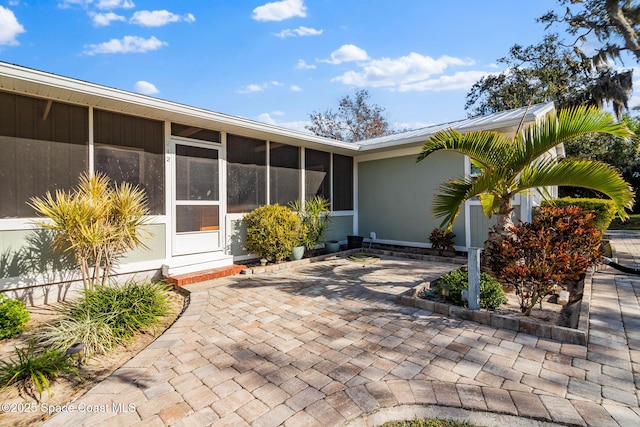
(76, 352)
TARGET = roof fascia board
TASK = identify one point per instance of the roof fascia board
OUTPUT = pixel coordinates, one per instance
(91, 89)
(500, 124)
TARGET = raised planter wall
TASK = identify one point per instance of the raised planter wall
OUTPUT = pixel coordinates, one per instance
(579, 336)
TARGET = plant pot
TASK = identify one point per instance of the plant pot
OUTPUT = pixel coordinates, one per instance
(297, 253)
(332, 246)
(354, 242)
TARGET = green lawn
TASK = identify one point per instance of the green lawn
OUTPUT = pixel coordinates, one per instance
(428, 423)
(633, 223)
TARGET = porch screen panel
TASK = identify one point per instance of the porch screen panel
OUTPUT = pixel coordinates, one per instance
(44, 147)
(342, 183)
(131, 149)
(317, 165)
(284, 173)
(246, 173)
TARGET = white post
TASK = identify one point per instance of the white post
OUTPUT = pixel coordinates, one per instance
(473, 263)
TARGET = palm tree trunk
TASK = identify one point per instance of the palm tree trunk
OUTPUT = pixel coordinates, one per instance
(504, 221)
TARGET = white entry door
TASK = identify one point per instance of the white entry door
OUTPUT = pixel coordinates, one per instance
(196, 204)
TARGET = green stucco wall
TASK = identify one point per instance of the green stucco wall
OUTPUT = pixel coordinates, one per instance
(340, 227)
(395, 196)
(28, 252)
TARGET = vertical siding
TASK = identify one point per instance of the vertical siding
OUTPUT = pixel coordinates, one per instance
(480, 224)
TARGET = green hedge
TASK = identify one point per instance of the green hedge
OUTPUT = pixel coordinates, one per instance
(604, 209)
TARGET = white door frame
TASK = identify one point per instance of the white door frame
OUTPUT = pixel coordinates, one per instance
(197, 241)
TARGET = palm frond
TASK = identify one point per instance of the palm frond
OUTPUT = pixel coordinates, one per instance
(569, 123)
(580, 173)
(486, 147)
(452, 194)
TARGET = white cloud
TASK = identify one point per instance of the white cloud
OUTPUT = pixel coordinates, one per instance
(158, 18)
(115, 4)
(9, 27)
(413, 72)
(145, 88)
(295, 88)
(296, 125)
(104, 19)
(253, 88)
(68, 3)
(346, 53)
(302, 65)
(459, 80)
(299, 32)
(259, 87)
(280, 10)
(128, 44)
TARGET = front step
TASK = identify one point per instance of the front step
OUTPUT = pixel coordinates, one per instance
(201, 276)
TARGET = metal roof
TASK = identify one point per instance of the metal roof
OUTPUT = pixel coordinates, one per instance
(24, 80)
(501, 120)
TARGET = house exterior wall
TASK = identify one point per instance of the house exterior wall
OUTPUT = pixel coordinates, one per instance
(395, 196)
(480, 224)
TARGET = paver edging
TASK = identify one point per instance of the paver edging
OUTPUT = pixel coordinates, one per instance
(578, 336)
(270, 268)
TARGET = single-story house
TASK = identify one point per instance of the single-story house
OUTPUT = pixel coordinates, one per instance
(202, 171)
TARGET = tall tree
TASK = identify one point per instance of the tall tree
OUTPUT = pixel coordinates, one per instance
(355, 120)
(511, 166)
(544, 72)
(614, 23)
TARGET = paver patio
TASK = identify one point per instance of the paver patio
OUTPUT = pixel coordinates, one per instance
(325, 344)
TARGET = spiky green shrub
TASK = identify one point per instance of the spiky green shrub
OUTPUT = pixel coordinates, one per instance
(97, 222)
(13, 316)
(315, 217)
(34, 369)
(492, 295)
(604, 210)
(93, 331)
(108, 316)
(272, 232)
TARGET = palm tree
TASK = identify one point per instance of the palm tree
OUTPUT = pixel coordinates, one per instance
(518, 164)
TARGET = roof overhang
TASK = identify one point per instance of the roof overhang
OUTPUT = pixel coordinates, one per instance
(21, 80)
(36, 83)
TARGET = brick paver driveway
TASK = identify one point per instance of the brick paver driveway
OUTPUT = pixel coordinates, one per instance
(326, 344)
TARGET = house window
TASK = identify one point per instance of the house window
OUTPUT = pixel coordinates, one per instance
(44, 147)
(317, 165)
(284, 173)
(131, 149)
(342, 183)
(246, 173)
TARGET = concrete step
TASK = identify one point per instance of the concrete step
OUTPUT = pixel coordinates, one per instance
(201, 276)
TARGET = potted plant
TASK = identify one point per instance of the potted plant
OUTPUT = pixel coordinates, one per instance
(332, 246)
(297, 253)
(315, 218)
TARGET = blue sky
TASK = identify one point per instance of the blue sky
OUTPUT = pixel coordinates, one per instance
(278, 61)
